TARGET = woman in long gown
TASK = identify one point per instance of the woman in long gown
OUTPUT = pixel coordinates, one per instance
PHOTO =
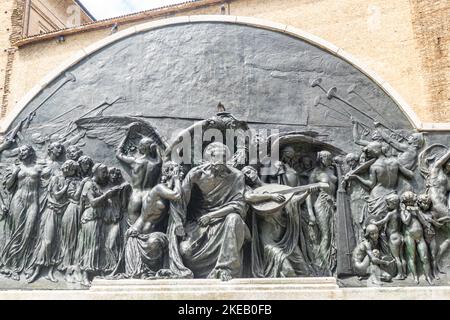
(70, 222)
(46, 250)
(322, 212)
(24, 183)
(112, 225)
(92, 208)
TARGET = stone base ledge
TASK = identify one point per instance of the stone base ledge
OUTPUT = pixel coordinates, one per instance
(237, 289)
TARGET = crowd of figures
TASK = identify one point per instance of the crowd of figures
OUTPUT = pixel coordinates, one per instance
(69, 213)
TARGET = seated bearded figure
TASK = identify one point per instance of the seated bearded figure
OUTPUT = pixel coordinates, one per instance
(210, 215)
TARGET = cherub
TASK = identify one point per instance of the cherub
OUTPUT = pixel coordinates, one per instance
(413, 236)
(395, 239)
(429, 220)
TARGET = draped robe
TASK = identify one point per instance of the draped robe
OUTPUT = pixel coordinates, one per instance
(218, 246)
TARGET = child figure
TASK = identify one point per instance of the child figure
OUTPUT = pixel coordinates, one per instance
(429, 220)
(365, 262)
(414, 240)
(395, 239)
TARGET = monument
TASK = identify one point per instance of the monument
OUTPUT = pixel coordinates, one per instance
(220, 150)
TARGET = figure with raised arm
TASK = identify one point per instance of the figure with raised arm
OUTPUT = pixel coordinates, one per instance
(376, 136)
(409, 150)
(383, 179)
(437, 184)
(145, 171)
(146, 245)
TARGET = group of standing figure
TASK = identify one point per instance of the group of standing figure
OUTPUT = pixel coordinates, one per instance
(64, 213)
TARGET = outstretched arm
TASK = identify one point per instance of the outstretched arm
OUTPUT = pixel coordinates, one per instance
(368, 183)
(383, 221)
(169, 194)
(394, 143)
(356, 138)
(254, 198)
(74, 140)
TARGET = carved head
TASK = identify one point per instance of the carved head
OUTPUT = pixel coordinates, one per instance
(100, 173)
(376, 253)
(352, 160)
(392, 201)
(325, 158)
(372, 232)
(70, 168)
(147, 146)
(251, 175)
(307, 162)
(409, 198)
(217, 153)
(424, 202)
(115, 175)
(26, 152)
(86, 164)
(74, 153)
(170, 169)
(417, 140)
(373, 149)
(55, 150)
(288, 153)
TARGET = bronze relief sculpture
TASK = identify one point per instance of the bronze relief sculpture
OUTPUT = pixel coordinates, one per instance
(298, 181)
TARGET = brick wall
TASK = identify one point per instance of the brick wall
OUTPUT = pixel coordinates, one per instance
(432, 30)
(404, 41)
